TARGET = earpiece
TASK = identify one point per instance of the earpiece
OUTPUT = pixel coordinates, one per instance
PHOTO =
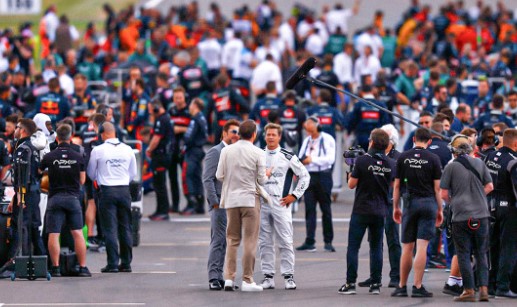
(316, 121)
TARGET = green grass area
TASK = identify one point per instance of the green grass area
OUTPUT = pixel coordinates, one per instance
(80, 13)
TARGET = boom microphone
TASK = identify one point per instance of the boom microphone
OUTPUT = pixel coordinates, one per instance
(300, 73)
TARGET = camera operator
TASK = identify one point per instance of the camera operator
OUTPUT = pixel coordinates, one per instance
(113, 165)
(464, 186)
(26, 161)
(66, 172)
(372, 175)
(418, 172)
(318, 154)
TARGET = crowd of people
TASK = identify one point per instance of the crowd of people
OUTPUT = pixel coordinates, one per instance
(190, 80)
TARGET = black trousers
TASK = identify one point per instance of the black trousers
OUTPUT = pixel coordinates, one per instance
(115, 210)
(319, 191)
(160, 163)
(176, 160)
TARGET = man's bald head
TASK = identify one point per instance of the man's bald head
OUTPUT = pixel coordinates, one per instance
(108, 131)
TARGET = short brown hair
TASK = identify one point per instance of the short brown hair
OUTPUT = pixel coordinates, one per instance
(440, 117)
(64, 132)
(97, 119)
(469, 131)
(229, 123)
(80, 76)
(509, 136)
(28, 124)
(380, 139)
(179, 89)
(247, 129)
(200, 104)
(422, 135)
(53, 84)
(501, 127)
(274, 126)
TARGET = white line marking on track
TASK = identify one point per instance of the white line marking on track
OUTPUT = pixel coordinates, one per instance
(206, 219)
(75, 304)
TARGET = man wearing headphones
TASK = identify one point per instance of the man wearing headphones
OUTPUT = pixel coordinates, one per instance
(464, 185)
(318, 154)
(487, 142)
(159, 150)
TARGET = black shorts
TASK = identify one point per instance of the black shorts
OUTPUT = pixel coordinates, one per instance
(89, 189)
(63, 209)
(418, 220)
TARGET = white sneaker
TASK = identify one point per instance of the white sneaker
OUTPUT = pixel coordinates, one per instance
(290, 284)
(228, 285)
(268, 283)
(250, 287)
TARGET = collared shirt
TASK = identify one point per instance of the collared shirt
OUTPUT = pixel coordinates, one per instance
(322, 150)
(112, 164)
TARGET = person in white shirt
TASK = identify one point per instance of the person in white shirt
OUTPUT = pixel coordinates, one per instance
(287, 32)
(113, 166)
(318, 154)
(230, 50)
(245, 61)
(367, 64)
(210, 51)
(276, 218)
(315, 44)
(338, 17)
(51, 22)
(265, 72)
(343, 65)
(65, 81)
(372, 39)
(266, 48)
(242, 171)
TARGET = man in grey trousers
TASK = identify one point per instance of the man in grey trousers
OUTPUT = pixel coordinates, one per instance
(217, 215)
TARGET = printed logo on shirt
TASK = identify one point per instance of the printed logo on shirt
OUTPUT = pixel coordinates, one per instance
(326, 120)
(378, 170)
(64, 163)
(288, 113)
(115, 162)
(415, 163)
(370, 115)
(492, 164)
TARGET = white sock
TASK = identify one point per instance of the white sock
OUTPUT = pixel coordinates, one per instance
(453, 280)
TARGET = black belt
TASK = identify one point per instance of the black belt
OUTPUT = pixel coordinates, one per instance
(114, 186)
(329, 171)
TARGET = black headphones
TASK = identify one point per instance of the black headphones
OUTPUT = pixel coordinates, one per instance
(316, 121)
(484, 133)
(101, 129)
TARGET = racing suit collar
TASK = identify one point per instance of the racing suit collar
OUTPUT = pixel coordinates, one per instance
(273, 151)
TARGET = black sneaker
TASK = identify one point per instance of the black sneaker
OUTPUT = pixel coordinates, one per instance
(455, 290)
(394, 283)
(365, 284)
(92, 242)
(420, 292)
(55, 271)
(306, 247)
(125, 268)
(215, 285)
(347, 289)
(329, 248)
(400, 292)
(159, 217)
(84, 272)
(375, 289)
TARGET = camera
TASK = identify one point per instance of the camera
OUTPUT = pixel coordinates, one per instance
(351, 154)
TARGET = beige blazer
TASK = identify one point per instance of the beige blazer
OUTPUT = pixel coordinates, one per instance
(242, 170)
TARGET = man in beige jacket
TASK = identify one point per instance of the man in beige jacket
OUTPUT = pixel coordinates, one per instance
(242, 170)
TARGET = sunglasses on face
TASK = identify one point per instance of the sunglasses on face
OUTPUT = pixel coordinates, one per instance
(423, 123)
(234, 131)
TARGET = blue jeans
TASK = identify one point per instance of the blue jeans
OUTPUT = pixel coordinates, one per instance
(116, 220)
(192, 170)
(358, 225)
(469, 241)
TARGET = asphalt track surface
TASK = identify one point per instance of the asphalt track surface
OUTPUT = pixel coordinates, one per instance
(169, 269)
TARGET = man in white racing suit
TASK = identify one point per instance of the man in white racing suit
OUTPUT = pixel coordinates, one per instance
(276, 219)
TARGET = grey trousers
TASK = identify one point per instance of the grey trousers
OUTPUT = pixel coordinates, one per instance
(217, 249)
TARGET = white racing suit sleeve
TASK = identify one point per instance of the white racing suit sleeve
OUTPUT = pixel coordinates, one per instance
(303, 177)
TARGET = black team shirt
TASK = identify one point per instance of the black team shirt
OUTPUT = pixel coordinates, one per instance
(420, 167)
(64, 167)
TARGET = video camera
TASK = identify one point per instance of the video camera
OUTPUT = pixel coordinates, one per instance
(351, 154)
